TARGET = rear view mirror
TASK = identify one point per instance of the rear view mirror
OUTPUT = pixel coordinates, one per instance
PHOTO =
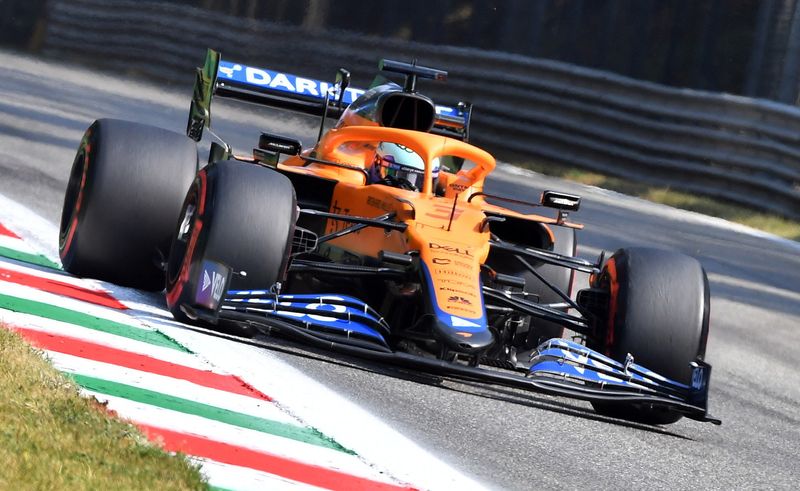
(271, 146)
(342, 81)
(279, 144)
(561, 201)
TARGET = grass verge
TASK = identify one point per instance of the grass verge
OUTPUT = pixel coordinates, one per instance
(767, 222)
(51, 438)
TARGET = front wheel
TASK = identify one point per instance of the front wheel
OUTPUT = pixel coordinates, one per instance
(659, 313)
(238, 214)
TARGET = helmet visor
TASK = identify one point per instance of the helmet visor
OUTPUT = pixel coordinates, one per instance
(401, 173)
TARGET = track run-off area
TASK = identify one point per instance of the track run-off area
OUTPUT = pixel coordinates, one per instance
(384, 426)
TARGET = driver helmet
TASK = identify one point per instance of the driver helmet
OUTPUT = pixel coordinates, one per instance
(399, 166)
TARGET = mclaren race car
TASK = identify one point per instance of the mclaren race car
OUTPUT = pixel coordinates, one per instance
(380, 242)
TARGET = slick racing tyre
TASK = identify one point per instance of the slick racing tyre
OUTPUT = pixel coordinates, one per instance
(238, 214)
(122, 202)
(659, 313)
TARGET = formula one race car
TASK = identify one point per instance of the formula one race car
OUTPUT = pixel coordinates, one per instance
(380, 242)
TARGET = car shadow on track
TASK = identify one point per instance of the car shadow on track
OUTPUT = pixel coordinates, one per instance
(554, 404)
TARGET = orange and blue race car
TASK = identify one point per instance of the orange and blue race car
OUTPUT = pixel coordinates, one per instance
(380, 242)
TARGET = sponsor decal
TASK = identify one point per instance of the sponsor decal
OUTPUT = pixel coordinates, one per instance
(379, 204)
(212, 285)
(456, 290)
(459, 299)
(219, 287)
(218, 282)
(282, 81)
(322, 307)
(698, 374)
(445, 110)
(459, 308)
(337, 225)
(298, 85)
(453, 281)
(456, 274)
(280, 147)
(563, 201)
(448, 249)
(458, 188)
(443, 261)
(457, 321)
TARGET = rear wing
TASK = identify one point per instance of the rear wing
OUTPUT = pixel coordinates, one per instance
(227, 79)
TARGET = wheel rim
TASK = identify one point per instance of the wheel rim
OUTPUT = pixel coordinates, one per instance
(180, 242)
(73, 198)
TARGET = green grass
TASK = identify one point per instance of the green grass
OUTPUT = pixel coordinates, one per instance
(760, 220)
(51, 438)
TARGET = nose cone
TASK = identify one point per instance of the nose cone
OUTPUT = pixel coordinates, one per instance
(463, 335)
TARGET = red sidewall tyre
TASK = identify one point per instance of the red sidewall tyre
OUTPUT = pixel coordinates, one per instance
(122, 201)
(659, 313)
(238, 214)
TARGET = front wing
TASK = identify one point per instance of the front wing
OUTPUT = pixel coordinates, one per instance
(559, 367)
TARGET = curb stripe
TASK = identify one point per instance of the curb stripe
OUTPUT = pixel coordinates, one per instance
(83, 349)
(78, 318)
(122, 317)
(288, 468)
(7, 232)
(179, 422)
(97, 297)
(50, 274)
(58, 328)
(221, 477)
(176, 387)
(150, 369)
(28, 257)
(166, 401)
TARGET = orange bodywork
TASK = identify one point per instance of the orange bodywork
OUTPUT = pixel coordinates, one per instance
(451, 250)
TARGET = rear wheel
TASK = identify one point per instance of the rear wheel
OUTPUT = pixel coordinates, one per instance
(238, 214)
(122, 201)
(659, 313)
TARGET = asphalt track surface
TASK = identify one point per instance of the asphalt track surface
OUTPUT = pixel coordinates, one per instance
(505, 438)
